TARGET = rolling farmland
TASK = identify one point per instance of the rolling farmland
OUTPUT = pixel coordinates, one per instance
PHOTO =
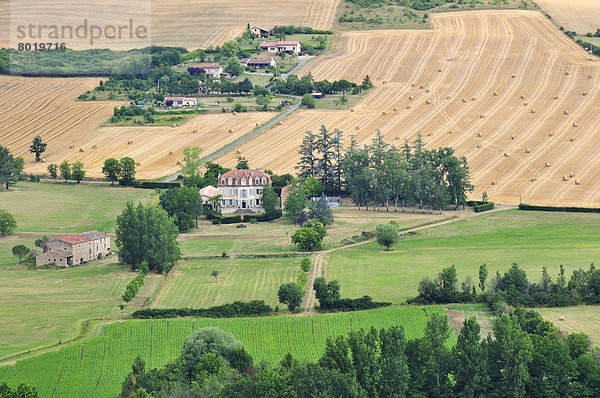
(157, 149)
(205, 23)
(97, 367)
(581, 16)
(504, 88)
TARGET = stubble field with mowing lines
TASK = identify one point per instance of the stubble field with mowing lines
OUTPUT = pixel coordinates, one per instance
(581, 16)
(188, 23)
(504, 88)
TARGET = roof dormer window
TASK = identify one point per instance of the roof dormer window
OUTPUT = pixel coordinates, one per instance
(230, 181)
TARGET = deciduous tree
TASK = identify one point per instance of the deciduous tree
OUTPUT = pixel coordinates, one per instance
(111, 170)
(7, 223)
(290, 294)
(127, 170)
(8, 168)
(387, 235)
(77, 171)
(53, 170)
(65, 170)
(20, 251)
(38, 147)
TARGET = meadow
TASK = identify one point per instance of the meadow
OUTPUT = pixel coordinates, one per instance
(579, 319)
(531, 239)
(190, 285)
(98, 366)
(58, 208)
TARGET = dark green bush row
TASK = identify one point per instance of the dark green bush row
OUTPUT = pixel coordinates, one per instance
(159, 184)
(290, 30)
(234, 310)
(134, 286)
(556, 208)
(220, 219)
(484, 207)
(358, 304)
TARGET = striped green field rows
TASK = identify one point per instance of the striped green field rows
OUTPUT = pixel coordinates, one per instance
(190, 283)
(97, 367)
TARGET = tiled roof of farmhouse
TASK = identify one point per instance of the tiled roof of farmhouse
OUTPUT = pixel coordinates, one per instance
(207, 66)
(279, 43)
(239, 174)
(76, 239)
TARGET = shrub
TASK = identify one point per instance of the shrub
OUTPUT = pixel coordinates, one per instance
(241, 226)
(483, 207)
(556, 208)
(305, 264)
(158, 184)
(231, 219)
(234, 310)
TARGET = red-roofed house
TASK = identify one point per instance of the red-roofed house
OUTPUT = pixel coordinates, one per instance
(242, 190)
(74, 249)
(275, 47)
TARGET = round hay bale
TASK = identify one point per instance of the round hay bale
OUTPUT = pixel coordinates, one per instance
(551, 134)
(280, 123)
(395, 109)
(571, 175)
(408, 107)
(522, 96)
(527, 150)
(71, 146)
(479, 135)
(138, 164)
(561, 318)
(574, 124)
(525, 103)
(43, 160)
(505, 154)
(94, 146)
(473, 99)
(238, 152)
(173, 125)
(495, 94)
(397, 139)
(129, 142)
(234, 113)
(384, 82)
(589, 76)
(357, 128)
(429, 134)
(427, 91)
(195, 132)
(351, 109)
(256, 124)
(547, 164)
(230, 131)
(494, 182)
(449, 131)
(439, 69)
(565, 178)
(565, 112)
(464, 100)
(572, 139)
(512, 137)
(410, 97)
(170, 153)
(413, 85)
(384, 113)
(567, 73)
(514, 76)
(584, 93)
(447, 97)
(178, 163)
(478, 145)
(421, 87)
(577, 182)
(80, 149)
(532, 110)
(482, 116)
(428, 102)
(533, 179)
(556, 97)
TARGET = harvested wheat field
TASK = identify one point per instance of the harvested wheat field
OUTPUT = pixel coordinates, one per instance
(46, 107)
(186, 23)
(582, 16)
(470, 65)
(156, 149)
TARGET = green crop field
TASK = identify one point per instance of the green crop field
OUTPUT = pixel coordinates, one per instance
(579, 319)
(68, 208)
(97, 367)
(42, 307)
(190, 283)
(532, 239)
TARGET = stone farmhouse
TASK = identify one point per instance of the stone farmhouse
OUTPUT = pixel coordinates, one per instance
(257, 30)
(275, 47)
(258, 63)
(241, 190)
(74, 249)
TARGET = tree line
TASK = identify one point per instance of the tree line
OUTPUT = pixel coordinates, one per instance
(527, 357)
(380, 174)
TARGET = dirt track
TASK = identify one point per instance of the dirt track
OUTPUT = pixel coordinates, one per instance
(473, 69)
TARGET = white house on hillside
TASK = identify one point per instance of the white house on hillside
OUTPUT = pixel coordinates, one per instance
(242, 190)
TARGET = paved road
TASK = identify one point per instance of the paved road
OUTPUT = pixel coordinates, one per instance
(303, 59)
(245, 138)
